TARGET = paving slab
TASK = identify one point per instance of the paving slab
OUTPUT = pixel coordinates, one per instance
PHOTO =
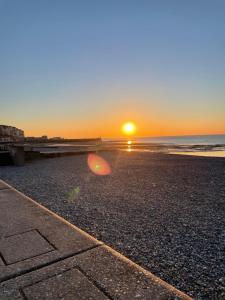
(51, 238)
(69, 285)
(102, 269)
(53, 259)
(23, 246)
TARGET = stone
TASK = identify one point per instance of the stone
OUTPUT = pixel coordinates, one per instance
(69, 285)
(23, 246)
(19, 214)
(123, 279)
(100, 271)
(1, 262)
(45, 257)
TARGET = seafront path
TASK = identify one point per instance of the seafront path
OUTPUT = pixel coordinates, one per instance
(42, 256)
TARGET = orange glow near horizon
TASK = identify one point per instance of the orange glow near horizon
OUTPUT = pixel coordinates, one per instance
(112, 127)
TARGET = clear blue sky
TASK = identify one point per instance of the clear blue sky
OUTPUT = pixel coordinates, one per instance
(81, 68)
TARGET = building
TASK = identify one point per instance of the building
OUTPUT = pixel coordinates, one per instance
(56, 138)
(36, 139)
(10, 134)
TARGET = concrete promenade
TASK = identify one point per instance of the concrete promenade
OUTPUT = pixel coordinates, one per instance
(42, 256)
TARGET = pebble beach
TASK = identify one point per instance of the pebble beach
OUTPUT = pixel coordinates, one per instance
(165, 212)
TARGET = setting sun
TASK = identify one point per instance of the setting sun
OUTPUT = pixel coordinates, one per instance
(129, 128)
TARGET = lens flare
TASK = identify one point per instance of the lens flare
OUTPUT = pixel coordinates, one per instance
(73, 194)
(129, 142)
(98, 165)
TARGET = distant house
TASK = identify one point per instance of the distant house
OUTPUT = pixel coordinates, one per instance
(36, 139)
(56, 138)
(11, 134)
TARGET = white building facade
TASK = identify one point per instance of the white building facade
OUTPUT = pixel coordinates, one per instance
(10, 134)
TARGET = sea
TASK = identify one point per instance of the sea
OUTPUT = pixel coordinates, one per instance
(199, 145)
(179, 140)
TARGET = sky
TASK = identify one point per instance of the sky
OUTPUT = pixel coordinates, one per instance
(82, 68)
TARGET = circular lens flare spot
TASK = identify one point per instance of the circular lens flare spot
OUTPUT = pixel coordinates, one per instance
(98, 165)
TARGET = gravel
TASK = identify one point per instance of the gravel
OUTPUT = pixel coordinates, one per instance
(165, 212)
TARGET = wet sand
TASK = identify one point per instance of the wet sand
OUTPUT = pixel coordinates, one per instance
(203, 153)
(165, 212)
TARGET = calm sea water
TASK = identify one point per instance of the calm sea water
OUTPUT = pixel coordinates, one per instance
(180, 140)
(201, 145)
(204, 145)
(185, 140)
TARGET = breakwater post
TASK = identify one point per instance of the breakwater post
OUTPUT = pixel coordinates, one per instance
(17, 154)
